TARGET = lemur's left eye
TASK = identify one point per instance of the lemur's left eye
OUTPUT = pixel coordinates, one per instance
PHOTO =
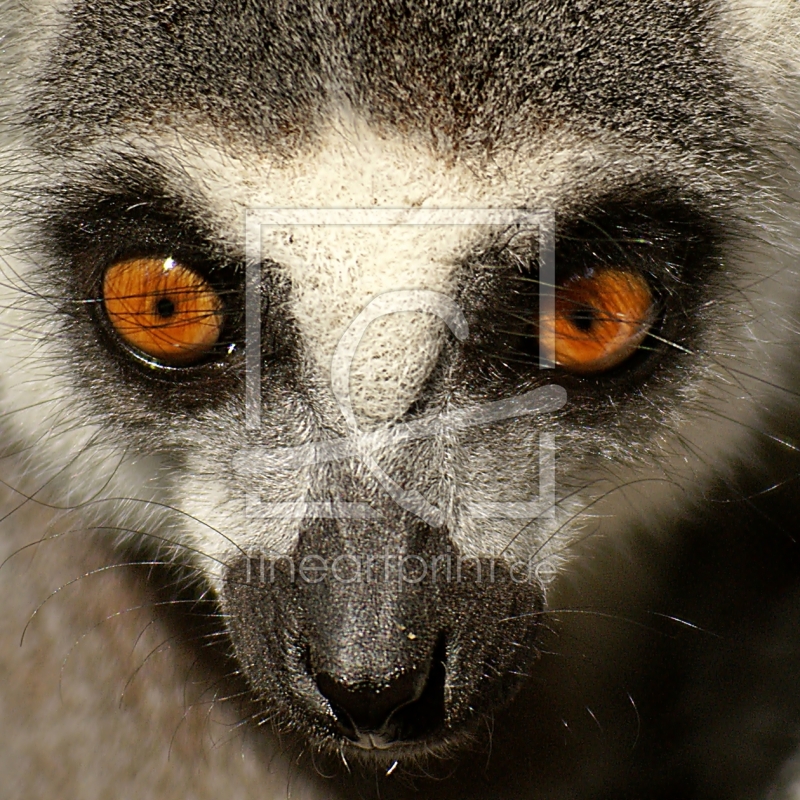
(600, 320)
(163, 309)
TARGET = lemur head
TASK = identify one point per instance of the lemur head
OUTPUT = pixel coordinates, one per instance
(387, 297)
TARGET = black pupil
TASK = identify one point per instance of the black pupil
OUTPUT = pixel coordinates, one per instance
(165, 308)
(583, 318)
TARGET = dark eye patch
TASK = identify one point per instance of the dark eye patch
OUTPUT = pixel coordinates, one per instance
(657, 236)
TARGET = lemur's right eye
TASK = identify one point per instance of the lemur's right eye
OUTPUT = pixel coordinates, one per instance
(601, 318)
(163, 309)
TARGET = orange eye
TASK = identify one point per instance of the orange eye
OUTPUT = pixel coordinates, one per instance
(163, 309)
(600, 320)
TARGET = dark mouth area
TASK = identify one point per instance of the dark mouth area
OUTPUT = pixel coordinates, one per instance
(410, 710)
(383, 671)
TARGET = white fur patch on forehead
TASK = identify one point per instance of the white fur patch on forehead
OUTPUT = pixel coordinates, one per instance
(766, 33)
(335, 270)
(766, 15)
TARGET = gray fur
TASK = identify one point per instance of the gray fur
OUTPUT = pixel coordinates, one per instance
(472, 74)
(670, 128)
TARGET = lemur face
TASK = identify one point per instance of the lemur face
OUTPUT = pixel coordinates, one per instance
(378, 308)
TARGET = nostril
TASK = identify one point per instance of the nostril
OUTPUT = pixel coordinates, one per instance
(405, 708)
(369, 707)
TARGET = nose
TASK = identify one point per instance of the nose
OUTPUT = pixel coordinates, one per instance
(403, 708)
(382, 664)
(368, 707)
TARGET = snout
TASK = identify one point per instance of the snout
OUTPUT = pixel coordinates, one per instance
(382, 647)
